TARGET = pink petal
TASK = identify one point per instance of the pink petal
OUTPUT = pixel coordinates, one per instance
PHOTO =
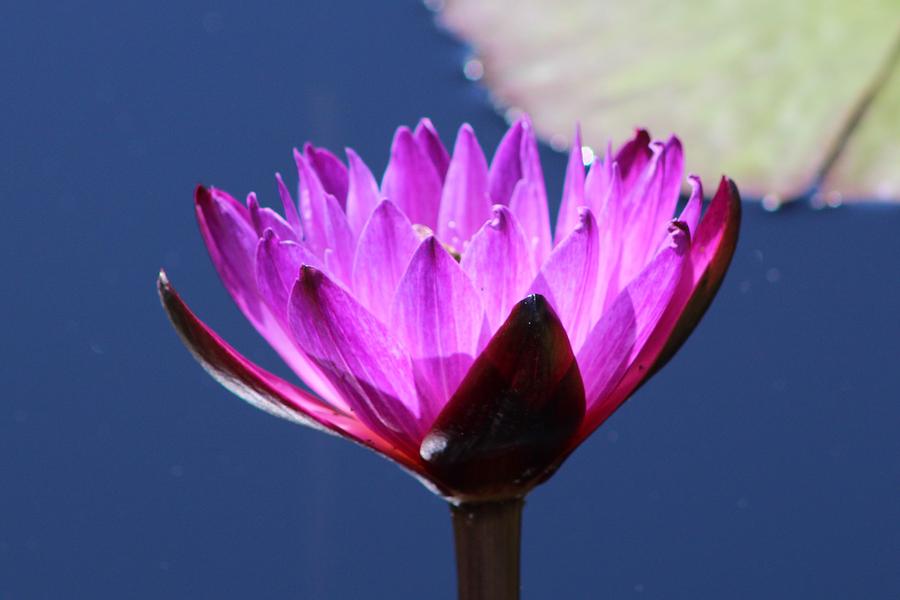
(506, 166)
(278, 265)
(428, 140)
(651, 204)
(330, 170)
(690, 214)
(266, 218)
(264, 390)
(610, 216)
(437, 313)
(362, 193)
(358, 355)
(573, 191)
(232, 245)
(327, 233)
(290, 208)
(633, 157)
(411, 180)
(386, 245)
(569, 276)
(531, 211)
(465, 205)
(711, 252)
(499, 264)
(622, 331)
(701, 276)
(598, 180)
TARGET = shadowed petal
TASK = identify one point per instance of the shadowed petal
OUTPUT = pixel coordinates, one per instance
(358, 355)
(633, 157)
(515, 410)
(330, 170)
(427, 138)
(465, 205)
(499, 264)
(385, 248)
(573, 191)
(569, 277)
(411, 180)
(362, 193)
(262, 389)
(622, 331)
(438, 315)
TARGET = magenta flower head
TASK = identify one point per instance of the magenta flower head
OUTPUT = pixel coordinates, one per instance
(435, 317)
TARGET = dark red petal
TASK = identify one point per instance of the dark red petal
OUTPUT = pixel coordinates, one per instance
(513, 413)
(262, 389)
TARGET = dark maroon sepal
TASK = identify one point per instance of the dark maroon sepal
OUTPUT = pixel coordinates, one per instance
(513, 413)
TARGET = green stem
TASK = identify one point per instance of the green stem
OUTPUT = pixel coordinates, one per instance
(488, 537)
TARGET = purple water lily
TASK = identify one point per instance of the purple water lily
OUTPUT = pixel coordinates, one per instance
(435, 317)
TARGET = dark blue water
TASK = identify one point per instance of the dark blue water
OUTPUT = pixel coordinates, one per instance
(763, 462)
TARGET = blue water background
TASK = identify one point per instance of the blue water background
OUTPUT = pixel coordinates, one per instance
(763, 462)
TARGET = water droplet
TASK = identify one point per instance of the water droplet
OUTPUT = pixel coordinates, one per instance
(451, 224)
(473, 69)
(773, 275)
(771, 202)
(587, 155)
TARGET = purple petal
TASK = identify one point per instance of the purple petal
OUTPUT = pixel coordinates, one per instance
(465, 205)
(690, 214)
(598, 180)
(651, 205)
(621, 332)
(266, 218)
(358, 355)
(290, 208)
(514, 412)
(362, 193)
(711, 252)
(506, 166)
(278, 265)
(386, 245)
(330, 170)
(569, 276)
(232, 245)
(610, 216)
(634, 156)
(262, 389)
(531, 211)
(327, 233)
(437, 313)
(573, 191)
(499, 264)
(411, 181)
(428, 140)
(231, 241)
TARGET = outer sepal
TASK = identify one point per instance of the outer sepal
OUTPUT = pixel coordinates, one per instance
(513, 413)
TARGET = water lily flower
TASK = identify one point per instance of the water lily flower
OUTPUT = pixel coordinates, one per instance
(435, 318)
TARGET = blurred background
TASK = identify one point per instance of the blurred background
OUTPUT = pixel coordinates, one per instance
(762, 462)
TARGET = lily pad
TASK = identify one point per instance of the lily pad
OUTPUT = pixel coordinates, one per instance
(775, 94)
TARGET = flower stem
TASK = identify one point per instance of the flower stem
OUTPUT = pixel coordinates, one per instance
(488, 537)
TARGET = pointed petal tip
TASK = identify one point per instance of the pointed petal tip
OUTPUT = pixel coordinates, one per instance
(202, 194)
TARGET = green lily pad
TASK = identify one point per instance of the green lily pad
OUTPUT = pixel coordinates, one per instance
(764, 91)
